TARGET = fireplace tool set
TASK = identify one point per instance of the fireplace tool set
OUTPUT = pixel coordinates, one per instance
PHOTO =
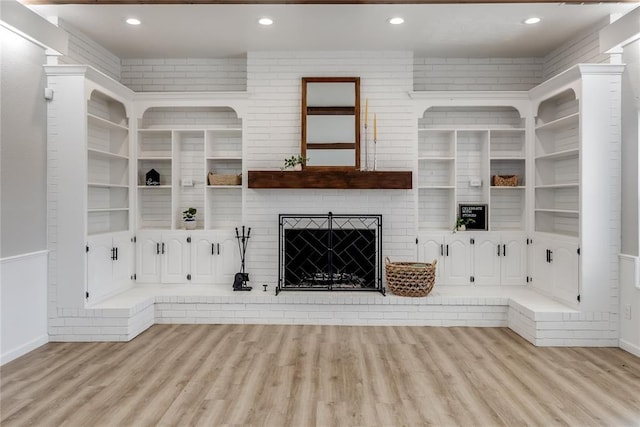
(240, 279)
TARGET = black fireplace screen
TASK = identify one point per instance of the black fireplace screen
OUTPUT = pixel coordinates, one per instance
(330, 252)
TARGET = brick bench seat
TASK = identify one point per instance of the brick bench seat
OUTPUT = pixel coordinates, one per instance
(538, 318)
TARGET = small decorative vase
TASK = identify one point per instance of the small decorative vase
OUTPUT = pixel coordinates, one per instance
(297, 167)
(190, 225)
(462, 227)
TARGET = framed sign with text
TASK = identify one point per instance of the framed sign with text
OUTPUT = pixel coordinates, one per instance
(477, 213)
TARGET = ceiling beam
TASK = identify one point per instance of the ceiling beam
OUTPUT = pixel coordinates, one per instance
(186, 2)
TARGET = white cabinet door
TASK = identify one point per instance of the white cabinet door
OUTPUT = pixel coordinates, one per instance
(513, 262)
(123, 264)
(227, 258)
(542, 277)
(431, 247)
(99, 266)
(457, 259)
(203, 258)
(175, 257)
(148, 246)
(487, 257)
(565, 267)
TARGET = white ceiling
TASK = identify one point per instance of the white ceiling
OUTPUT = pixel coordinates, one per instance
(451, 30)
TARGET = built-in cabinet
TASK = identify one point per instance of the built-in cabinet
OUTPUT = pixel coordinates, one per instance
(556, 230)
(108, 229)
(556, 267)
(187, 257)
(576, 154)
(110, 263)
(89, 178)
(478, 258)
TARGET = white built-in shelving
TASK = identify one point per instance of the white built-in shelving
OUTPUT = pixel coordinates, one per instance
(107, 165)
(184, 144)
(557, 165)
(458, 145)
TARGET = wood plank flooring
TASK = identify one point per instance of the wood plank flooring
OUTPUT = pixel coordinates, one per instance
(259, 375)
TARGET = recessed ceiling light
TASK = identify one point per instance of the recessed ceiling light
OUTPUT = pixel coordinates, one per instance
(533, 20)
(133, 21)
(265, 21)
(396, 20)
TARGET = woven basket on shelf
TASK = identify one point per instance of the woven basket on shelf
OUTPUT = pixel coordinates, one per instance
(505, 180)
(220, 179)
(410, 279)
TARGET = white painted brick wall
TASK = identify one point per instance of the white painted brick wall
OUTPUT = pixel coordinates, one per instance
(185, 74)
(583, 48)
(83, 50)
(476, 73)
(273, 133)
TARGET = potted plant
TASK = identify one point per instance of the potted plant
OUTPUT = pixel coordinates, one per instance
(189, 217)
(294, 162)
(461, 224)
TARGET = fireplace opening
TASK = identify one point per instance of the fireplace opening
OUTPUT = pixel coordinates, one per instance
(330, 252)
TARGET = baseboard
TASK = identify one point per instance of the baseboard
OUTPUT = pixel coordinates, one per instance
(23, 349)
(631, 348)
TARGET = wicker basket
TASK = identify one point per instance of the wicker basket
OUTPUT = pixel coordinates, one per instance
(505, 180)
(220, 179)
(410, 279)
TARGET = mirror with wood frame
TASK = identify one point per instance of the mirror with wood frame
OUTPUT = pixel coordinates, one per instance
(331, 122)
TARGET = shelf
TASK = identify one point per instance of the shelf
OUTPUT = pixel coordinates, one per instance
(559, 155)
(552, 186)
(106, 154)
(507, 187)
(563, 122)
(105, 124)
(103, 185)
(154, 186)
(502, 158)
(234, 157)
(340, 179)
(239, 186)
(107, 210)
(154, 158)
(559, 211)
(513, 131)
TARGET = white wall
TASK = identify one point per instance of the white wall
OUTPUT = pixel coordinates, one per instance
(273, 133)
(83, 50)
(184, 74)
(583, 48)
(23, 256)
(23, 144)
(476, 73)
(23, 301)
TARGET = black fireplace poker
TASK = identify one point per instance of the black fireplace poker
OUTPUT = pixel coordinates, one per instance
(241, 278)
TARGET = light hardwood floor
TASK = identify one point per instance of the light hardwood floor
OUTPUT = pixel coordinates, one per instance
(217, 375)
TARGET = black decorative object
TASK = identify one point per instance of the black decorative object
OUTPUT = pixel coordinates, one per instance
(240, 279)
(330, 252)
(477, 213)
(152, 177)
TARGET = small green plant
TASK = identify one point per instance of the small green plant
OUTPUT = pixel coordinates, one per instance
(189, 214)
(461, 223)
(293, 161)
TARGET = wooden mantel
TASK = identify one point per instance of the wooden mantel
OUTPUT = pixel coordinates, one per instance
(339, 179)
